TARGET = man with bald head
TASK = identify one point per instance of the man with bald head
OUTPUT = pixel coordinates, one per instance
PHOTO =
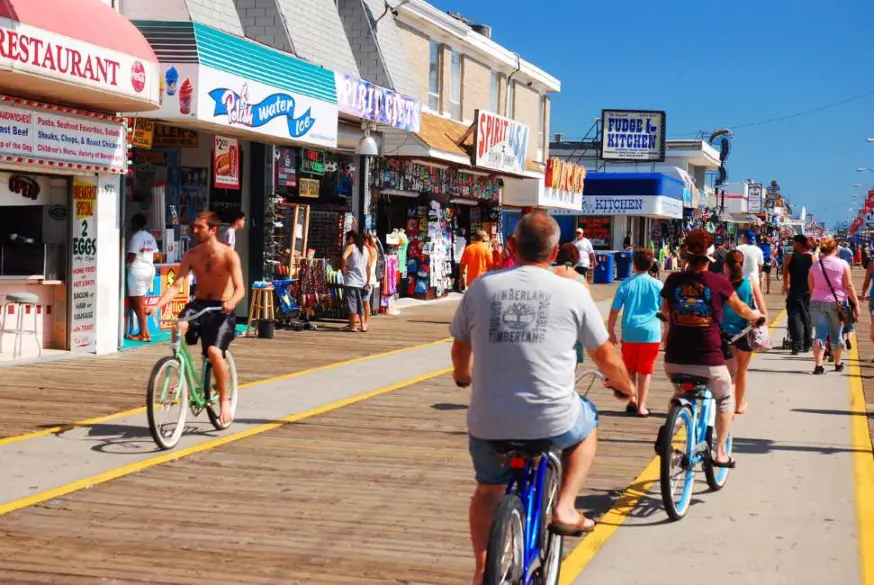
(522, 325)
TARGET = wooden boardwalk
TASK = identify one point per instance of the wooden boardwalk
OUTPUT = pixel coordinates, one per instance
(372, 493)
(51, 394)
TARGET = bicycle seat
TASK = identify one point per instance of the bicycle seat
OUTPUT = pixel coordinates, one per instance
(529, 448)
(689, 379)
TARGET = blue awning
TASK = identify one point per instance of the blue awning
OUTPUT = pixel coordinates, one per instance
(639, 184)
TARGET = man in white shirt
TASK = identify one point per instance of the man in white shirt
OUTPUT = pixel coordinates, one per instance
(140, 272)
(229, 238)
(754, 260)
(587, 253)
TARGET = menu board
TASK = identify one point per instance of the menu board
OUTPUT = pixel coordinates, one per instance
(597, 230)
(39, 135)
(84, 266)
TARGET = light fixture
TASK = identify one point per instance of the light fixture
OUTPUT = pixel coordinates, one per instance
(367, 146)
(458, 201)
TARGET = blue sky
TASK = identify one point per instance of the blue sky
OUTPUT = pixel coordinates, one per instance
(712, 65)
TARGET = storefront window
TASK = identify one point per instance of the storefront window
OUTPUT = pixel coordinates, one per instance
(434, 77)
(493, 95)
(455, 86)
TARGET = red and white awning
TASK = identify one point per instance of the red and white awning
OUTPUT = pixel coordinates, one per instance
(76, 51)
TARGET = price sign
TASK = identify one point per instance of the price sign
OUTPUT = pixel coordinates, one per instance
(84, 268)
(309, 188)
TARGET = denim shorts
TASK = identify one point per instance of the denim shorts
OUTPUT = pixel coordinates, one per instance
(826, 323)
(490, 468)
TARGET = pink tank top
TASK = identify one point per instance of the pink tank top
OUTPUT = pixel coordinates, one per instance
(835, 268)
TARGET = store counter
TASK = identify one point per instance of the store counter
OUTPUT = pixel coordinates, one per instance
(165, 276)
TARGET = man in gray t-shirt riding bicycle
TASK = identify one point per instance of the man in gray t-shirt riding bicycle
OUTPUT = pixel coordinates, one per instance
(522, 325)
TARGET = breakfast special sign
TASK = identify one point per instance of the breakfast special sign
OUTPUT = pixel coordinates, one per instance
(633, 135)
(499, 143)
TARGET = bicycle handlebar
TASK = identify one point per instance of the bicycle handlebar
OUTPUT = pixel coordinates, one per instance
(196, 315)
(748, 328)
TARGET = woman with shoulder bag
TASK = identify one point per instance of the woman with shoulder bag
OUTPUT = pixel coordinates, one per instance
(751, 294)
(831, 285)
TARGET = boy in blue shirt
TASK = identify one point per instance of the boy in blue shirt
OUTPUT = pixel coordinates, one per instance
(639, 299)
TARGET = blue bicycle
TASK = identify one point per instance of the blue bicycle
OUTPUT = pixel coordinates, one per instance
(522, 550)
(686, 440)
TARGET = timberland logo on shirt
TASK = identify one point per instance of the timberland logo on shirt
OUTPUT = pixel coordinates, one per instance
(519, 316)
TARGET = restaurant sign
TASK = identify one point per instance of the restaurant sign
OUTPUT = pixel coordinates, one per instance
(369, 101)
(48, 55)
(55, 136)
(642, 205)
(500, 144)
(563, 185)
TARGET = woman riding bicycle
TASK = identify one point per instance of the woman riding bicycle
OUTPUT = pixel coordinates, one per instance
(693, 302)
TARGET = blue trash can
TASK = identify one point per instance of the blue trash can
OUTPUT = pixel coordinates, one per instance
(623, 265)
(604, 269)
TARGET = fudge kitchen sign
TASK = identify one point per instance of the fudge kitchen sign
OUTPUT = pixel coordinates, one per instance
(236, 102)
(500, 144)
(34, 51)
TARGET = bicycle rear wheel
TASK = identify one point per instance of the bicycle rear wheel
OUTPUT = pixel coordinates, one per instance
(166, 390)
(550, 543)
(505, 553)
(716, 476)
(677, 477)
(210, 389)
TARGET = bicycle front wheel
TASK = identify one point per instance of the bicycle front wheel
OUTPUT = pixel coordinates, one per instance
(211, 388)
(676, 441)
(505, 553)
(167, 393)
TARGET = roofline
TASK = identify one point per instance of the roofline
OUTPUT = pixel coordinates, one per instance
(449, 26)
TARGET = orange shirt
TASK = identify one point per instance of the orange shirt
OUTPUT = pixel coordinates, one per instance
(477, 259)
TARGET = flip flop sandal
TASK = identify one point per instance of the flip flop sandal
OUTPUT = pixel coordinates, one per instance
(730, 464)
(644, 414)
(631, 408)
(585, 525)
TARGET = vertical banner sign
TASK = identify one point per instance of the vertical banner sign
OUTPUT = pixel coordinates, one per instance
(84, 266)
(226, 163)
(755, 195)
(633, 135)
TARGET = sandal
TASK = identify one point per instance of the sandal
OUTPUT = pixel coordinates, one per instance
(730, 464)
(643, 412)
(631, 408)
(578, 529)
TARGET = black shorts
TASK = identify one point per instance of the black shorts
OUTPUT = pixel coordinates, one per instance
(583, 270)
(215, 329)
(766, 268)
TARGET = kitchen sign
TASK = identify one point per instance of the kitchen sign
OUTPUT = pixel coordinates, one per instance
(499, 143)
(43, 54)
(42, 135)
(368, 101)
(648, 205)
(226, 162)
(633, 135)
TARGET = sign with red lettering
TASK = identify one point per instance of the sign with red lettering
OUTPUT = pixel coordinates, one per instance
(48, 55)
(563, 185)
(38, 135)
(499, 143)
(84, 266)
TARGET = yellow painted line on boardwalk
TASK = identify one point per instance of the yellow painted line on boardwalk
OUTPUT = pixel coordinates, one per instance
(578, 559)
(140, 409)
(863, 468)
(206, 445)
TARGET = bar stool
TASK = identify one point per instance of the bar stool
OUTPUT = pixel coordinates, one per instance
(20, 302)
(261, 307)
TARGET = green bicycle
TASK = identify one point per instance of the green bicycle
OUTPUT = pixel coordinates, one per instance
(173, 384)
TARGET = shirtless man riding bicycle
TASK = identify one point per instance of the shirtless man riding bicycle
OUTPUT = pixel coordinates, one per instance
(219, 284)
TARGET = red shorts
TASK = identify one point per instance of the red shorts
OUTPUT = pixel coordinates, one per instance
(640, 358)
